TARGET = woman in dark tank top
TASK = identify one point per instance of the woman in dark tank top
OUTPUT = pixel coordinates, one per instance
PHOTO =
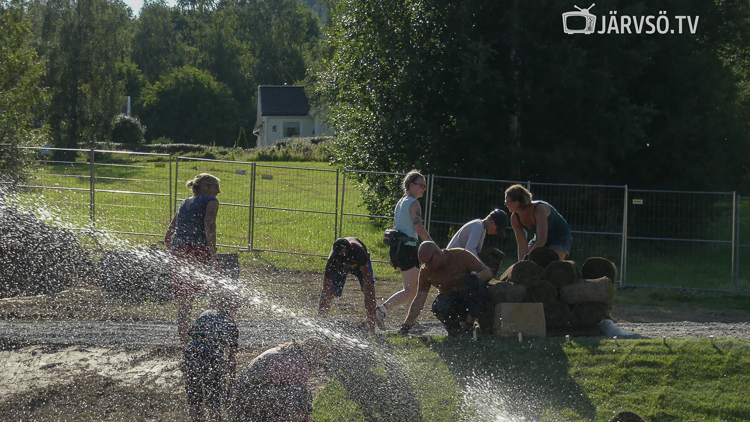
(537, 219)
(191, 237)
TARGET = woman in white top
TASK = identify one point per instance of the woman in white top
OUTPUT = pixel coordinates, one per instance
(407, 220)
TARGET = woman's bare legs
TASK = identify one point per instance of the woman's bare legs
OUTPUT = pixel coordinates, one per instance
(183, 318)
(406, 294)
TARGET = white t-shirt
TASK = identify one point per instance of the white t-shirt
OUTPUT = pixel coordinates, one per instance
(469, 237)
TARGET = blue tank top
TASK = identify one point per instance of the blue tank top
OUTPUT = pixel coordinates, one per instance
(402, 219)
(557, 227)
(190, 227)
(214, 331)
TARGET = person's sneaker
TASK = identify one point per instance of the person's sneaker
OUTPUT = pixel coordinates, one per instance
(380, 317)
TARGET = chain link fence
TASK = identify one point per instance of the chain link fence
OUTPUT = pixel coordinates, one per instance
(667, 239)
(681, 239)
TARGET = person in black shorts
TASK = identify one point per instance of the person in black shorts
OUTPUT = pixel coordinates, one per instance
(404, 257)
(210, 358)
(407, 219)
(348, 256)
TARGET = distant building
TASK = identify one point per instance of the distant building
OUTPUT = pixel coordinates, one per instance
(284, 112)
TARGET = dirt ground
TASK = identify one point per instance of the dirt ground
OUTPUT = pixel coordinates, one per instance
(52, 381)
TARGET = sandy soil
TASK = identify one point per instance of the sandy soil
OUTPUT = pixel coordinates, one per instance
(110, 375)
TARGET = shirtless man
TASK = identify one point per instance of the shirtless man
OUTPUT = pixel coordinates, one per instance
(460, 278)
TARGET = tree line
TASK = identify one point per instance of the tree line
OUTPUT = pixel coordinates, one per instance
(482, 89)
(497, 90)
(191, 69)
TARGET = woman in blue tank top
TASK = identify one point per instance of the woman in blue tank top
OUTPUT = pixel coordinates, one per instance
(191, 237)
(537, 218)
(408, 220)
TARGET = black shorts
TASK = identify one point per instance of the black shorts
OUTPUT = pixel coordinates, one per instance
(405, 259)
(204, 377)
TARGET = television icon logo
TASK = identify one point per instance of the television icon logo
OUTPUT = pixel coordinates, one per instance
(589, 21)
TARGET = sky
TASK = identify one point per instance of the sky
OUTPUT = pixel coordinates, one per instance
(137, 4)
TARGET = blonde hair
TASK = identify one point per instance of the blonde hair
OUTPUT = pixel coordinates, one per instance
(200, 181)
(409, 179)
(520, 194)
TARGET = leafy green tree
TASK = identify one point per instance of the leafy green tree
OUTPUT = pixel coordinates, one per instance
(190, 106)
(496, 89)
(157, 46)
(84, 41)
(21, 71)
(642, 110)
(133, 78)
(411, 85)
(244, 44)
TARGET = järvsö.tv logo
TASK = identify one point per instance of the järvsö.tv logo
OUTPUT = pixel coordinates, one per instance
(589, 21)
(584, 22)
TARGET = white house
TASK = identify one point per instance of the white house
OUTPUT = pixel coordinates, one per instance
(284, 112)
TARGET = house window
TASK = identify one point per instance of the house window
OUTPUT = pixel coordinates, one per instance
(291, 128)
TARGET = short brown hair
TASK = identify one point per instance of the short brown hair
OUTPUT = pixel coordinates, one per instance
(520, 194)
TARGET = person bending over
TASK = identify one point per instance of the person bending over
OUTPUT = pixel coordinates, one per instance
(348, 256)
(471, 237)
(273, 387)
(460, 278)
(538, 219)
(210, 358)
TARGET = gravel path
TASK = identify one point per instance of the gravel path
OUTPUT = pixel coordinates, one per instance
(687, 329)
(154, 334)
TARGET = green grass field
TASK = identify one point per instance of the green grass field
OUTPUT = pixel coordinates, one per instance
(300, 208)
(543, 380)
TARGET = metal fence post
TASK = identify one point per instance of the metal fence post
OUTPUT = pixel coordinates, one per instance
(343, 195)
(336, 208)
(735, 243)
(428, 201)
(92, 190)
(624, 247)
(171, 198)
(176, 177)
(251, 223)
(16, 166)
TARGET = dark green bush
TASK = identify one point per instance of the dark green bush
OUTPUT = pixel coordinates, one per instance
(128, 130)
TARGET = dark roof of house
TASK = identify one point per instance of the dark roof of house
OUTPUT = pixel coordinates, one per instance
(283, 100)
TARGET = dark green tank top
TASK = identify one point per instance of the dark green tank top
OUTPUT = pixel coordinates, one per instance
(557, 227)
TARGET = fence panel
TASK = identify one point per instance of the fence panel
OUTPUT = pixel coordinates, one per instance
(9, 170)
(57, 186)
(694, 240)
(742, 262)
(680, 239)
(233, 220)
(132, 194)
(295, 210)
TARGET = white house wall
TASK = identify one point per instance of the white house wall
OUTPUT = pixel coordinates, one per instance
(321, 129)
(306, 128)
